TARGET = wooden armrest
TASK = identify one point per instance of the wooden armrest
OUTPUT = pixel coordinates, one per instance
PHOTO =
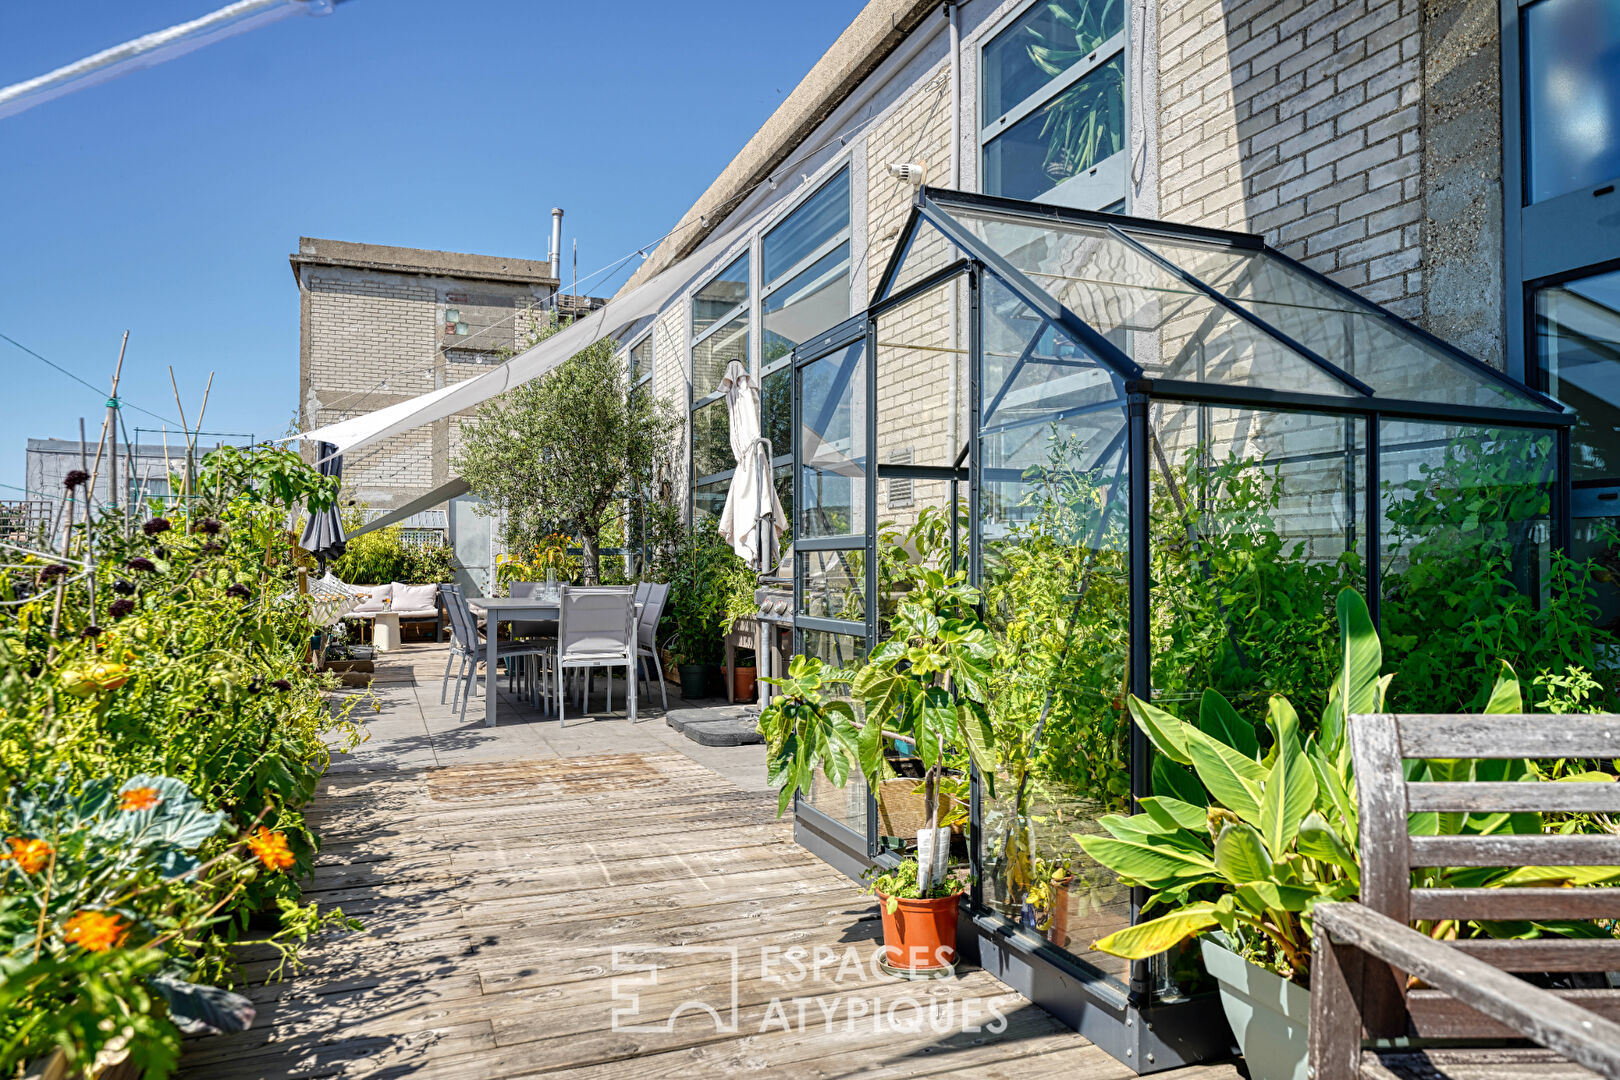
(1537, 1014)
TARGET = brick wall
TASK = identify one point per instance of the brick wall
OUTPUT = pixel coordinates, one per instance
(1300, 121)
(373, 339)
(920, 366)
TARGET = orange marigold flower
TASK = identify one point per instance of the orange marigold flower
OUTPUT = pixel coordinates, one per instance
(31, 855)
(140, 798)
(271, 848)
(95, 930)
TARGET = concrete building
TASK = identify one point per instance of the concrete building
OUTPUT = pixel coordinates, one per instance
(379, 325)
(143, 474)
(1454, 160)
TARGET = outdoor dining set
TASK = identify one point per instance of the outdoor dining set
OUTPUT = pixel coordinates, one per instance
(556, 637)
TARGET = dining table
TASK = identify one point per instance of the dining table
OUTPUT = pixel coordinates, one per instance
(499, 609)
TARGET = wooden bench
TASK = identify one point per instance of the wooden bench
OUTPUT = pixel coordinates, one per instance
(1364, 951)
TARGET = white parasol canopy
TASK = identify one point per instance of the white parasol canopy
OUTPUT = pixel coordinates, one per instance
(644, 300)
(752, 520)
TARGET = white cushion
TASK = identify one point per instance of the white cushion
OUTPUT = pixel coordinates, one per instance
(414, 599)
(372, 598)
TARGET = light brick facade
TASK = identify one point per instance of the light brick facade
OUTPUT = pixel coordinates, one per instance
(380, 325)
(1300, 121)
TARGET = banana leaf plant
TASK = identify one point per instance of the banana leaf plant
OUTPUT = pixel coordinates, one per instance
(1249, 839)
(928, 683)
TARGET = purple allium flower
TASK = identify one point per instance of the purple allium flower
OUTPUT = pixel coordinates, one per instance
(54, 571)
(120, 608)
(211, 526)
(123, 586)
(156, 525)
(239, 591)
(90, 632)
(140, 562)
(75, 478)
(160, 551)
(282, 684)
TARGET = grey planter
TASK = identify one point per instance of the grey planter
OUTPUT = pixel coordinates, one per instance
(1269, 1015)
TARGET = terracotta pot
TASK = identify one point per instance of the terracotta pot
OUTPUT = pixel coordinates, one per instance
(920, 935)
(745, 678)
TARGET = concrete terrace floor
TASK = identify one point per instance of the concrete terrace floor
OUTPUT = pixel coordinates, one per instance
(606, 900)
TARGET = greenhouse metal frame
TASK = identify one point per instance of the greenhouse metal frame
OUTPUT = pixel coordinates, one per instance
(1123, 341)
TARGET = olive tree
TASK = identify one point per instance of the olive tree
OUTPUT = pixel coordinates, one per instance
(564, 451)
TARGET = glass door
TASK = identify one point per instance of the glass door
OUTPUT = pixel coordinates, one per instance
(833, 567)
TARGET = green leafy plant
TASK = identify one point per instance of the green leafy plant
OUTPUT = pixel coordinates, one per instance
(805, 731)
(549, 556)
(706, 588)
(928, 684)
(186, 671)
(382, 555)
(567, 453)
(1250, 839)
(901, 883)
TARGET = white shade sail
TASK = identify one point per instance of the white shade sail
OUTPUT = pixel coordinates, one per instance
(644, 300)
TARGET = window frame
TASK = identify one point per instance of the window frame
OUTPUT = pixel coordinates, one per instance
(754, 308)
(1548, 243)
(991, 128)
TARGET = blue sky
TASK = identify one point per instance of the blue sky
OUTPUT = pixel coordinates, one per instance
(166, 202)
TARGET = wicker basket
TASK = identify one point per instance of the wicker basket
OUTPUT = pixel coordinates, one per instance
(901, 811)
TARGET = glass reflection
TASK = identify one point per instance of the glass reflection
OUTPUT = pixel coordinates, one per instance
(1571, 95)
(832, 443)
(1578, 344)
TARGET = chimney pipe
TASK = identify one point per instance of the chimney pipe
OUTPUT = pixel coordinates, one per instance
(556, 243)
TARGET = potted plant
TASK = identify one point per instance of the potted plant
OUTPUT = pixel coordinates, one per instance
(1241, 842)
(926, 684)
(744, 676)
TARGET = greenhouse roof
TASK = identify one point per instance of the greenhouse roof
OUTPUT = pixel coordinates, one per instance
(1188, 312)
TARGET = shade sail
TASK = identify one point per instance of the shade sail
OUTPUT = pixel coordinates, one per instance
(443, 493)
(644, 300)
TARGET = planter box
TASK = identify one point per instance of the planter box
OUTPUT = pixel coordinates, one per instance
(351, 665)
(1269, 1015)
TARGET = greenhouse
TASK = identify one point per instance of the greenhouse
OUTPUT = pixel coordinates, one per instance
(1160, 452)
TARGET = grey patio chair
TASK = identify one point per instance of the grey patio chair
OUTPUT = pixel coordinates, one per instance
(466, 628)
(541, 628)
(652, 609)
(596, 628)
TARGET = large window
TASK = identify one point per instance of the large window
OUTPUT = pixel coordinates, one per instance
(1578, 346)
(1571, 51)
(1052, 108)
(720, 328)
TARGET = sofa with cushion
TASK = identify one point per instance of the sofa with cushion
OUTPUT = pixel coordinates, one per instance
(410, 602)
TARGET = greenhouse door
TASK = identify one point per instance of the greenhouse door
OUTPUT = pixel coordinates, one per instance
(833, 568)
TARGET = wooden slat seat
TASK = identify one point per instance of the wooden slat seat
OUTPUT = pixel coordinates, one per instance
(1467, 990)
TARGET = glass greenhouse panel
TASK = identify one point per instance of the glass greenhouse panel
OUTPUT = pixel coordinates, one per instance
(831, 444)
(922, 377)
(834, 584)
(1384, 353)
(927, 252)
(846, 805)
(1255, 529)
(1167, 325)
(1055, 539)
(1031, 372)
(709, 500)
(1466, 536)
(834, 650)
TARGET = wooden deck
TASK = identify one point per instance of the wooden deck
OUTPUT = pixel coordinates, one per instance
(507, 901)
